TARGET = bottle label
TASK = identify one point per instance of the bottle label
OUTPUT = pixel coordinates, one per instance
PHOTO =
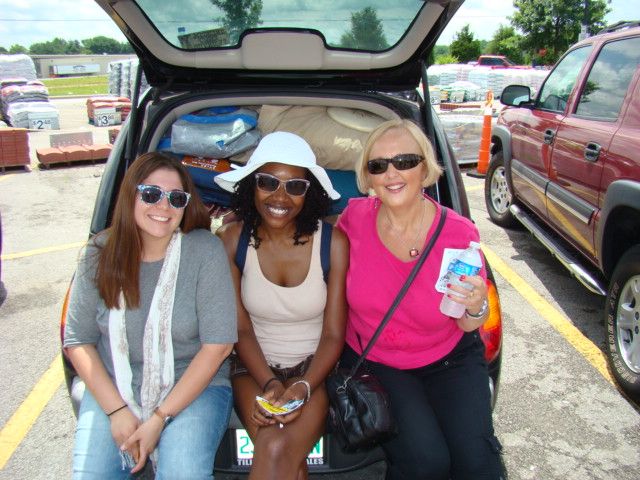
(458, 267)
(451, 268)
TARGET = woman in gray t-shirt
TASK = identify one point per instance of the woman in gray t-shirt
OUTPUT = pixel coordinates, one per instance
(150, 324)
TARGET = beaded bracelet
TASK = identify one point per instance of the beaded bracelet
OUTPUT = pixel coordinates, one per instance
(264, 389)
(117, 410)
(306, 384)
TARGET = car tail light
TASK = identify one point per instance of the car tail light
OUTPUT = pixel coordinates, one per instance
(63, 317)
(491, 330)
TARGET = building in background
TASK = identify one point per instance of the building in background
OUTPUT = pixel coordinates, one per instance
(48, 66)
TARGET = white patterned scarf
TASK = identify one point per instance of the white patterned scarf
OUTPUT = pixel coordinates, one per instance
(157, 372)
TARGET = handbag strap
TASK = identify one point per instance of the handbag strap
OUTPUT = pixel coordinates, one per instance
(402, 291)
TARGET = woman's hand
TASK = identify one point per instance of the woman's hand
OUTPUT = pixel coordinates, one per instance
(146, 438)
(293, 392)
(273, 392)
(123, 424)
(471, 298)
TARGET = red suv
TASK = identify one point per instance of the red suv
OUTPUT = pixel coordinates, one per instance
(566, 165)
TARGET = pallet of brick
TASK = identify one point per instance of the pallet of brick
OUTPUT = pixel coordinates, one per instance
(72, 147)
(112, 107)
(14, 147)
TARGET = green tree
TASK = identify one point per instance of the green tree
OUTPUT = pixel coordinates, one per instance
(554, 25)
(74, 47)
(440, 50)
(101, 44)
(3, 50)
(446, 59)
(125, 47)
(506, 42)
(464, 46)
(239, 16)
(366, 31)
(57, 46)
(13, 49)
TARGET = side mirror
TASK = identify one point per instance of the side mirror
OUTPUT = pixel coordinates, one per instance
(515, 95)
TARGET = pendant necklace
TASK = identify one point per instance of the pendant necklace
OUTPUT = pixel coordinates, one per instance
(413, 251)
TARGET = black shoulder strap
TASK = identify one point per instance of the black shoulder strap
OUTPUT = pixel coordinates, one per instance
(325, 250)
(241, 249)
(402, 291)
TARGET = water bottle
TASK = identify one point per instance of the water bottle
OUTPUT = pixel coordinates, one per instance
(468, 263)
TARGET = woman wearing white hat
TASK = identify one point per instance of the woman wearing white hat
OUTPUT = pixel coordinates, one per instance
(291, 305)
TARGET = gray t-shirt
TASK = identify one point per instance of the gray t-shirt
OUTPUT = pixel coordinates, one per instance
(204, 309)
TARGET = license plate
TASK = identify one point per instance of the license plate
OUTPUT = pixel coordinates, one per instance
(244, 450)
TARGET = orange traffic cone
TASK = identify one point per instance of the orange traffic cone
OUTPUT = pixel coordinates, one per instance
(485, 140)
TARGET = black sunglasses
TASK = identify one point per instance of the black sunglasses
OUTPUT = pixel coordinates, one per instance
(296, 187)
(402, 161)
(152, 194)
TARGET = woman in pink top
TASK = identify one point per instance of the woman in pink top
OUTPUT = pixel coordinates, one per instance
(291, 320)
(432, 365)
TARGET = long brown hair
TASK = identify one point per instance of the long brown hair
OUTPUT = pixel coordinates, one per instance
(119, 262)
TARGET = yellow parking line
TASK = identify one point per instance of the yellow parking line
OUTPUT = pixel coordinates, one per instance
(475, 187)
(4, 177)
(14, 431)
(557, 320)
(38, 251)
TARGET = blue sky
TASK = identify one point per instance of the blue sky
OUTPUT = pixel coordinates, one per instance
(26, 22)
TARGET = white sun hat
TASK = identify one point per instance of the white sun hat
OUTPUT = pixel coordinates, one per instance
(279, 147)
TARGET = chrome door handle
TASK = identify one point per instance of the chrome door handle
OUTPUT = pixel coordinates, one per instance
(592, 152)
(549, 135)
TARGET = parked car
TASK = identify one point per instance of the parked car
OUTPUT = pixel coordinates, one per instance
(300, 71)
(566, 165)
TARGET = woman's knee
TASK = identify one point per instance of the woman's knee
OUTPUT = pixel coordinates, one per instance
(95, 454)
(276, 448)
(481, 461)
(189, 443)
(429, 466)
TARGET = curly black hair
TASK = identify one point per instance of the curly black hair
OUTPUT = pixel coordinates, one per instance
(316, 205)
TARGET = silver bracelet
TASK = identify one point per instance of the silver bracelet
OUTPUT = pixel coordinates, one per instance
(306, 384)
(483, 311)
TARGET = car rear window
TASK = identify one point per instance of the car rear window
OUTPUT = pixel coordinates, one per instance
(209, 24)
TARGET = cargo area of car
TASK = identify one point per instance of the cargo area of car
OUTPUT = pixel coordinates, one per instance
(211, 136)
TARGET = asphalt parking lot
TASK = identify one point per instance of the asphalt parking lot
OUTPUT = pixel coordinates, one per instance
(558, 415)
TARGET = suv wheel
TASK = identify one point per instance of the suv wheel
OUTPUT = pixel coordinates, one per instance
(497, 195)
(622, 312)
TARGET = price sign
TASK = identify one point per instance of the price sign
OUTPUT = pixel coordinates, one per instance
(103, 117)
(40, 123)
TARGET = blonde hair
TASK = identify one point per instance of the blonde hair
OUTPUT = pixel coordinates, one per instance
(431, 165)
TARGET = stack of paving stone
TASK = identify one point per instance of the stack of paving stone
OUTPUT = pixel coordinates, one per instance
(14, 147)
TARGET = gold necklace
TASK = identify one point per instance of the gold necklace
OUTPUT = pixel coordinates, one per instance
(413, 251)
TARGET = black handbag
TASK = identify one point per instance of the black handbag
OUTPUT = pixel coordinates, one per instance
(359, 410)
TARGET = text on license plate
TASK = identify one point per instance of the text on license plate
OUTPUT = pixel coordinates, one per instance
(244, 450)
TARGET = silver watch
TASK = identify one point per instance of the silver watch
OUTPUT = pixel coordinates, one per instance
(482, 312)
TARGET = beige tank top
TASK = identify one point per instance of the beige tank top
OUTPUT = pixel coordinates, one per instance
(287, 321)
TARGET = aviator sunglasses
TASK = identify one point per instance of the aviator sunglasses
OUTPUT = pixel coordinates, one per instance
(402, 161)
(151, 194)
(296, 187)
